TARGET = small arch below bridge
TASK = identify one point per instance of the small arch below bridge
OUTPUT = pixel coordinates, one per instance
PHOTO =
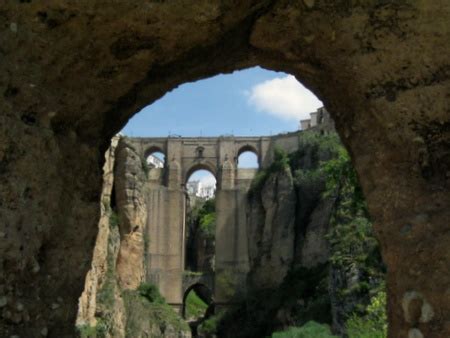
(202, 285)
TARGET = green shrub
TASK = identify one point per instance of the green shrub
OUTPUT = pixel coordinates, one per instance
(280, 163)
(144, 315)
(151, 293)
(87, 331)
(113, 218)
(209, 326)
(374, 323)
(208, 224)
(195, 306)
(310, 330)
(204, 215)
(145, 167)
(98, 331)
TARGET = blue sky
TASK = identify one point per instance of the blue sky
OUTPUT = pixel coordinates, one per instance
(251, 102)
(254, 101)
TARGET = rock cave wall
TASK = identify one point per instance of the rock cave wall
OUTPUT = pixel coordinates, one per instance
(72, 74)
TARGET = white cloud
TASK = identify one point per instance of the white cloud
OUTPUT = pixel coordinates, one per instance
(208, 180)
(284, 97)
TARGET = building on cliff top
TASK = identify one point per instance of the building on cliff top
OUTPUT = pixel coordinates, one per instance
(319, 120)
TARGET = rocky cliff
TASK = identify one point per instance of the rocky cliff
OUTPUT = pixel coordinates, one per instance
(115, 302)
(313, 255)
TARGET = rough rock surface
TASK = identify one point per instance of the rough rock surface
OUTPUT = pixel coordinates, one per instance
(110, 303)
(72, 74)
(132, 211)
(96, 276)
(271, 230)
(312, 247)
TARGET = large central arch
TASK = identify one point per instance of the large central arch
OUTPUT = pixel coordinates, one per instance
(73, 73)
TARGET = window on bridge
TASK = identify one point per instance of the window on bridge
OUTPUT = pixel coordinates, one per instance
(247, 160)
(156, 159)
(200, 222)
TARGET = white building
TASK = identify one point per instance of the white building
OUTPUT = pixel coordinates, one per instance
(199, 189)
(155, 162)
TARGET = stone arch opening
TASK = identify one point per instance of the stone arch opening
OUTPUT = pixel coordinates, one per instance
(200, 218)
(247, 158)
(321, 48)
(155, 157)
(205, 166)
(204, 293)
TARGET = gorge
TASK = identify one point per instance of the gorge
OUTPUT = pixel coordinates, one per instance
(285, 222)
(73, 73)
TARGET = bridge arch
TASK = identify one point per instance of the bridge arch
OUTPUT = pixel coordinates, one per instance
(154, 149)
(203, 291)
(206, 165)
(157, 152)
(248, 148)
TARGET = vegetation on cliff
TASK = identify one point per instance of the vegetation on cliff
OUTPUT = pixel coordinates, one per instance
(346, 292)
(143, 312)
(200, 235)
(195, 306)
(310, 330)
(147, 311)
(202, 216)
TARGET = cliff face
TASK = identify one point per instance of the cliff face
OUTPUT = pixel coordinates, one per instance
(96, 277)
(289, 217)
(271, 230)
(313, 255)
(111, 304)
(130, 195)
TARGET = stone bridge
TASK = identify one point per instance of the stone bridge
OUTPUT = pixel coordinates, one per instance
(167, 207)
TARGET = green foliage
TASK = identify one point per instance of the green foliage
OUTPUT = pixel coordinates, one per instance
(145, 315)
(150, 292)
(207, 207)
(105, 296)
(195, 306)
(102, 327)
(310, 330)
(113, 218)
(106, 293)
(343, 180)
(280, 163)
(145, 167)
(304, 177)
(205, 216)
(87, 331)
(281, 160)
(374, 323)
(322, 170)
(209, 327)
(98, 331)
(353, 246)
(208, 224)
(313, 149)
(351, 235)
(303, 294)
(188, 273)
(225, 282)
